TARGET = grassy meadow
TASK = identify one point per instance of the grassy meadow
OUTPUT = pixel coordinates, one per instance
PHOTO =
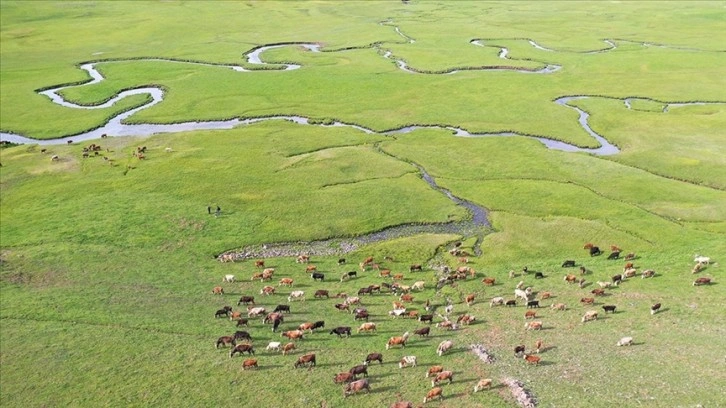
(107, 266)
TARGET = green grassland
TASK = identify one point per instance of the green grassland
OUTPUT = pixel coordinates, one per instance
(107, 267)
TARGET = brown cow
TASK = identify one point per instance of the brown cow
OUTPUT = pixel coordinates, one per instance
(402, 404)
(570, 278)
(343, 378)
(538, 346)
(488, 281)
(303, 259)
(311, 268)
(285, 282)
(267, 290)
(307, 359)
(249, 363)
(225, 341)
(242, 348)
(531, 359)
(442, 376)
(367, 327)
(470, 299)
(702, 281)
(356, 386)
(437, 392)
(218, 290)
(587, 301)
(398, 276)
(406, 298)
(434, 370)
(386, 273)
(598, 292)
(396, 341)
(259, 264)
(482, 384)
(530, 314)
(321, 293)
(288, 348)
(293, 334)
(306, 326)
(533, 326)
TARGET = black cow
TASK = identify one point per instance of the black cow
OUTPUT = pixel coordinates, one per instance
(594, 251)
(617, 278)
(615, 255)
(352, 274)
(359, 369)
(568, 264)
(243, 322)
(242, 335)
(374, 357)
(246, 300)
(609, 308)
(282, 308)
(511, 302)
(532, 304)
(341, 261)
(426, 318)
(318, 325)
(363, 291)
(223, 312)
(341, 330)
(518, 350)
(538, 275)
(318, 275)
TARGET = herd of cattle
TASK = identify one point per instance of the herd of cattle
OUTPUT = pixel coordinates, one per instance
(241, 341)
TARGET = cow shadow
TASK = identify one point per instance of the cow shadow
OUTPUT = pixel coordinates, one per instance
(269, 366)
(665, 309)
(384, 389)
(546, 363)
(546, 349)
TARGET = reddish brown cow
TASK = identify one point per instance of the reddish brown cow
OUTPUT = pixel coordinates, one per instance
(306, 326)
(311, 268)
(434, 370)
(532, 359)
(303, 259)
(386, 273)
(218, 290)
(307, 359)
(225, 341)
(442, 376)
(249, 364)
(398, 276)
(406, 298)
(259, 264)
(293, 334)
(397, 341)
(470, 299)
(242, 348)
(598, 292)
(356, 386)
(288, 348)
(488, 281)
(702, 281)
(437, 392)
(343, 378)
(530, 314)
(402, 404)
(570, 278)
(587, 301)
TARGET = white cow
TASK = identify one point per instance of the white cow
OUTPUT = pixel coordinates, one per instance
(444, 346)
(296, 294)
(273, 346)
(228, 278)
(407, 361)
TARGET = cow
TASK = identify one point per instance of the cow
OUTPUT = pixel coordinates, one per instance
(402, 404)
(286, 282)
(343, 378)
(604, 284)
(356, 386)
(625, 341)
(317, 276)
(307, 359)
(267, 274)
(539, 275)
(267, 291)
(288, 348)
(397, 312)
(271, 317)
(218, 290)
(432, 371)
(342, 306)
(545, 295)
(570, 278)
(497, 301)
(249, 364)
(225, 341)
(415, 267)
(466, 319)
(246, 300)
(255, 311)
(589, 316)
(444, 346)
(583, 270)
(361, 315)
(629, 273)
(426, 318)
(558, 306)
(530, 314)
(223, 312)
(359, 369)
(341, 330)
(532, 304)
(243, 322)
(436, 392)
(598, 292)
(320, 293)
(282, 308)
(306, 326)
(702, 281)
(482, 384)
(373, 357)
(470, 299)
(587, 301)
(303, 259)
(424, 331)
(442, 376)
(568, 264)
(228, 279)
(617, 279)
(614, 255)
(273, 346)
(311, 268)
(367, 327)
(609, 308)
(293, 334)
(533, 325)
(519, 293)
(385, 273)
(702, 259)
(352, 300)
(519, 350)
(374, 288)
(648, 273)
(397, 341)
(406, 298)
(242, 348)
(242, 335)
(538, 346)
(511, 303)
(260, 263)
(275, 324)
(296, 294)
(489, 281)
(398, 276)
(531, 359)
(595, 251)
(418, 285)
(365, 291)
(235, 315)
(655, 308)
(630, 256)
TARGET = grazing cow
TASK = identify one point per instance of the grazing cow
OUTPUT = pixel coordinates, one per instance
(256, 275)
(228, 279)
(246, 300)
(249, 364)
(531, 359)
(466, 319)
(363, 291)
(447, 325)
(356, 386)
(519, 293)
(311, 268)
(444, 346)
(609, 308)
(406, 298)
(402, 404)
(617, 279)
(648, 273)
(570, 278)
(436, 392)
(441, 377)
(702, 281)
(273, 346)
(352, 300)
(587, 301)
(418, 285)
(538, 275)
(698, 268)
(702, 259)
(374, 357)
(54, 157)
(397, 341)
(488, 281)
(497, 301)
(625, 341)
(385, 273)
(598, 292)
(243, 322)
(655, 308)
(374, 288)
(218, 290)
(320, 324)
(235, 315)
(518, 350)
(568, 264)
(306, 326)
(630, 256)
(398, 276)
(424, 331)
(352, 274)
(470, 299)
(359, 369)
(267, 291)
(342, 306)
(511, 303)
(482, 384)
(426, 318)
(296, 294)
(255, 311)
(558, 306)
(589, 316)
(293, 334)
(594, 251)
(267, 274)
(288, 348)
(303, 259)
(306, 360)
(583, 270)
(532, 304)
(282, 308)
(415, 267)
(260, 264)
(242, 348)
(320, 293)
(629, 273)
(604, 284)
(538, 346)
(225, 341)
(318, 276)
(275, 324)
(242, 335)
(272, 317)
(285, 282)
(343, 378)
(223, 312)
(397, 312)
(614, 255)
(341, 330)
(341, 261)
(533, 325)
(530, 314)
(367, 327)
(361, 315)
(545, 295)
(434, 370)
